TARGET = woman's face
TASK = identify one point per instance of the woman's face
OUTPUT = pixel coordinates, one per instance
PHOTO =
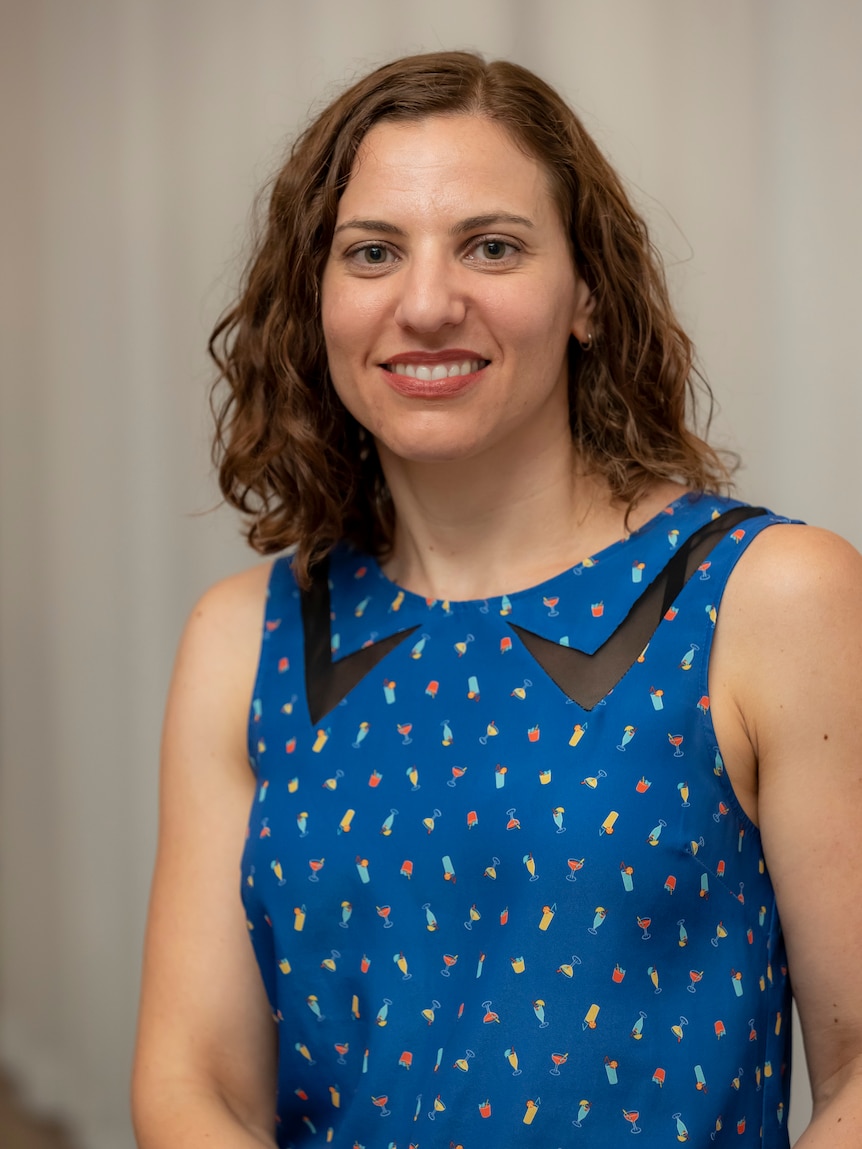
(450, 293)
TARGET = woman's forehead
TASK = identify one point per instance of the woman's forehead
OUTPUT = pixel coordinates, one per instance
(454, 160)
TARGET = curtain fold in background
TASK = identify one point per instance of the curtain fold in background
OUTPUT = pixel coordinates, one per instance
(139, 131)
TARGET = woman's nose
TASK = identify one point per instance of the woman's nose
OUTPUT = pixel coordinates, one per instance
(431, 295)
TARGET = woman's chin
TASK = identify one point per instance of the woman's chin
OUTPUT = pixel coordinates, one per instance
(431, 447)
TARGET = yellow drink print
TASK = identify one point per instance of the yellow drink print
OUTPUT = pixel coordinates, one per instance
(591, 1016)
(609, 823)
(320, 741)
(548, 913)
(298, 918)
(531, 1111)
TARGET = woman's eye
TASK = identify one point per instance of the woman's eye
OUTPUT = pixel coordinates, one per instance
(494, 250)
(373, 254)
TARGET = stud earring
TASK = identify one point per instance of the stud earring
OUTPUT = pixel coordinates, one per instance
(587, 344)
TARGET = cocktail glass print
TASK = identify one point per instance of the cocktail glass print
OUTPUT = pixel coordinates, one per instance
(341, 1048)
(439, 1107)
(676, 741)
(316, 865)
(583, 1109)
(490, 1016)
(384, 912)
(558, 1059)
(695, 975)
(380, 1102)
(551, 603)
(404, 729)
(448, 961)
(704, 571)
(644, 924)
(631, 1115)
(720, 932)
(491, 731)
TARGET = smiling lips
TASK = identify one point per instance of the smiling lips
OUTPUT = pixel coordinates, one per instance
(433, 375)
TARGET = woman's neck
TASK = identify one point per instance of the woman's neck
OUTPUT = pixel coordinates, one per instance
(470, 530)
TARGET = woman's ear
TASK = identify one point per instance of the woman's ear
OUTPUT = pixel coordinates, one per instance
(585, 303)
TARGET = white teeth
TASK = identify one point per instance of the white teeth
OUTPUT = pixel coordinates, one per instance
(440, 371)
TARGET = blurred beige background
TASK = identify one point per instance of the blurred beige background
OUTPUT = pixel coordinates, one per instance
(135, 133)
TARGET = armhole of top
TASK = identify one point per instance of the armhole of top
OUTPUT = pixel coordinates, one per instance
(275, 592)
(752, 531)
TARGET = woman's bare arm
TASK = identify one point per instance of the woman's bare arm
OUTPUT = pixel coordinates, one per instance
(205, 1062)
(792, 619)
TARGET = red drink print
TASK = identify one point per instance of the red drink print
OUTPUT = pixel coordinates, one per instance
(558, 1060)
(644, 924)
(631, 1115)
(574, 865)
(315, 864)
(551, 603)
(598, 609)
(404, 729)
(695, 975)
(676, 741)
(380, 1102)
(448, 961)
(384, 912)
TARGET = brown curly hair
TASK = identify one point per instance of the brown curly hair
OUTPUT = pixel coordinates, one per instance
(288, 453)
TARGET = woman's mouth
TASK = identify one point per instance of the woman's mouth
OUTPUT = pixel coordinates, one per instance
(433, 376)
(428, 372)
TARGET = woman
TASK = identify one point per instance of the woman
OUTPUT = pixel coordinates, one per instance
(519, 838)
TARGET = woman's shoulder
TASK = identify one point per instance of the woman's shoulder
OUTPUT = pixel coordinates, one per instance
(791, 563)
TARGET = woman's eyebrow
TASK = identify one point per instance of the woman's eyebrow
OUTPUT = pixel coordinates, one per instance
(472, 223)
(378, 225)
(493, 218)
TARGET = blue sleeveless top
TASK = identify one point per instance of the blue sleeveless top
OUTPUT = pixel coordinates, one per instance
(497, 881)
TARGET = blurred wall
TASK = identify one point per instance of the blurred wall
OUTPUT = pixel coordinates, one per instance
(138, 131)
